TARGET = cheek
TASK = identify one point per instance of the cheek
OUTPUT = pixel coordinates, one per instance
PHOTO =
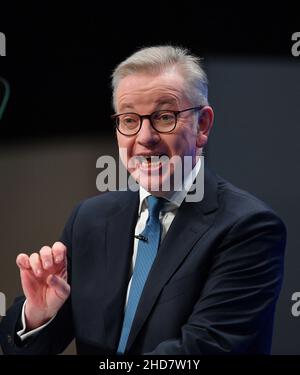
(126, 144)
(182, 144)
(189, 139)
(126, 147)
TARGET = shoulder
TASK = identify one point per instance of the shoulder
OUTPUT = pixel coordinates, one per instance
(96, 211)
(239, 205)
(106, 204)
(234, 198)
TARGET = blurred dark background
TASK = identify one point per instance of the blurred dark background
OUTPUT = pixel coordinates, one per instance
(57, 121)
(59, 58)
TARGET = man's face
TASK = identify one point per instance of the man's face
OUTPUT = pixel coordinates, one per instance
(143, 94)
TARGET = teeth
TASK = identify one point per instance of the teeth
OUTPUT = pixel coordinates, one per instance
(147, 164)
(155, 157)
(152, 161)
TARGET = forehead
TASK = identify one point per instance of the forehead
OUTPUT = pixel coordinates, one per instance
(145, 88)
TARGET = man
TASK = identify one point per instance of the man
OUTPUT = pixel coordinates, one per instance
(150, 272)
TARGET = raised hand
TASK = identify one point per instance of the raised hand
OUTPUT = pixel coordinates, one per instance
(44, 282)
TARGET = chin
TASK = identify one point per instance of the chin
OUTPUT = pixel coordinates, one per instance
(155, 184)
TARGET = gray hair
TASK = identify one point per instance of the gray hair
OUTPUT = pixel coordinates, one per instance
(155, 60)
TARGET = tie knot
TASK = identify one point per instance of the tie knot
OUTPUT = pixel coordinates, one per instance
(154, 205)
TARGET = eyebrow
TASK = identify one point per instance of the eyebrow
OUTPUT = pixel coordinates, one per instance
(158, 103)
(126, 106)
(163, 101)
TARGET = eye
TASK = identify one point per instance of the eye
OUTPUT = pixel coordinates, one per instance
(165, 117)
(129, 120)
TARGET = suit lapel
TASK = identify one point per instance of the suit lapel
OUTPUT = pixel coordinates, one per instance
(190, 224)
(119, 247)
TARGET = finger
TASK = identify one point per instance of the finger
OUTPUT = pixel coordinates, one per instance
(46, 257)
(35, 264)
(22, 261)
(59, 251)
(61, 287)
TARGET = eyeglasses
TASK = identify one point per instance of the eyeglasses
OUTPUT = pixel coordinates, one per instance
(163, 121)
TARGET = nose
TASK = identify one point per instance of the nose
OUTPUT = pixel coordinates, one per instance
(147, 136)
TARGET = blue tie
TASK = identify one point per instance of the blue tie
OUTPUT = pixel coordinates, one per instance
(147, 249)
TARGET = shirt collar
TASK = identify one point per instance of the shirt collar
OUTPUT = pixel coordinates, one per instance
(175, 199)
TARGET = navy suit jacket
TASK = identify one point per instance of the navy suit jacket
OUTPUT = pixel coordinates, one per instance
(212, 288)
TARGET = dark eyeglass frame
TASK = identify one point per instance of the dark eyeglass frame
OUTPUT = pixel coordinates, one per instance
(116, 116)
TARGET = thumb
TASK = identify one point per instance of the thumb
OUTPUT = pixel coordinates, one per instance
(61, 287)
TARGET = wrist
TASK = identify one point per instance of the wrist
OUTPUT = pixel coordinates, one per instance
(34, 317)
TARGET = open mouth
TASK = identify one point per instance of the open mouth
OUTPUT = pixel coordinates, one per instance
(151, 162)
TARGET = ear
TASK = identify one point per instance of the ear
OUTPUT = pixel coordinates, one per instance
(205, 123)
